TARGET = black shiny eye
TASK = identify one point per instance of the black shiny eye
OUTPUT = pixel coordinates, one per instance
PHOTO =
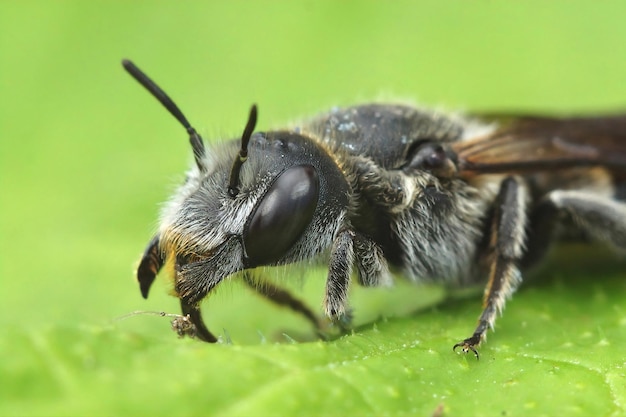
(280, 219)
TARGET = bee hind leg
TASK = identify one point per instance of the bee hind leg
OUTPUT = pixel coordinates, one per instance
(602, 218)
(506, 246)
(598, 217)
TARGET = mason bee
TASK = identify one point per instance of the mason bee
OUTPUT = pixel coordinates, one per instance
(436, 197)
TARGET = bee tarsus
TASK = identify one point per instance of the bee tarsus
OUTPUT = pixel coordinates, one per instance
(469, 344)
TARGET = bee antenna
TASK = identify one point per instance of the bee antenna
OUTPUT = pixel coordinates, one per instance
(194, 138)
(233, 181)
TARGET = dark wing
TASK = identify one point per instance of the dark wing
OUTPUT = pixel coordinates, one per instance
(530, 143)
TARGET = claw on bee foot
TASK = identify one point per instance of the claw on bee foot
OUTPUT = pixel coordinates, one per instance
(469, 344)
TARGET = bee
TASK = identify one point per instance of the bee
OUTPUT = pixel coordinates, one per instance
(435, 197)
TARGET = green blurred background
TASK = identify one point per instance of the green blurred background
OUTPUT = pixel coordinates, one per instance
(86, 156)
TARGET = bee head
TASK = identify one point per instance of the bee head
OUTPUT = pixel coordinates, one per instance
(246, 203)
(264, 204)
(239, 215)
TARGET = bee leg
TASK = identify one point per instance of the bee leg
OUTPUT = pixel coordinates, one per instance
(370, 262)
(603, 218)
(149, 266)
(541, 226)
(352, 248)
(282, 297)
(600, 217)
(198, 328)
(507, 235)
(338, 281)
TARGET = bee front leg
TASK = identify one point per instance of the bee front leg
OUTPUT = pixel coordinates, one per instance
(371, 264)
(338, 281)
(197, 328)
(282, 297)
(351, 248)
(506, 247)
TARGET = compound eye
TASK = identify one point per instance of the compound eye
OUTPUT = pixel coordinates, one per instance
(280, 219)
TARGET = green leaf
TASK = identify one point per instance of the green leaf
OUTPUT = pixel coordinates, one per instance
(557, 350)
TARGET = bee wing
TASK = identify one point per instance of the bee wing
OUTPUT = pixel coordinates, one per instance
(534, 143)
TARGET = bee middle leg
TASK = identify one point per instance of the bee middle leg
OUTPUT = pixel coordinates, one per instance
(506, 246)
